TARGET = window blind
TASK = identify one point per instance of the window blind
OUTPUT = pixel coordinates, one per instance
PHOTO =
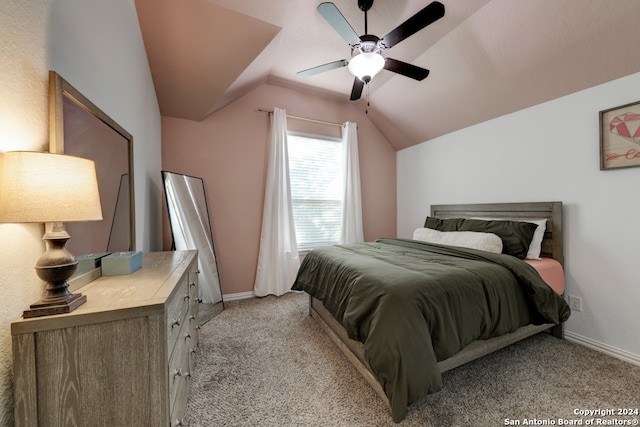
(315, 170)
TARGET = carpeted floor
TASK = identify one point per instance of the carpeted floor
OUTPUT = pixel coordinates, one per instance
(265, 362)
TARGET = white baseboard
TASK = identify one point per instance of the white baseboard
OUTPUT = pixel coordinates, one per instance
(603, 348)
(239, 295)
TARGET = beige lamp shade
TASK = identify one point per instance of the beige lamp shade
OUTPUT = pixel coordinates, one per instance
(46, 187)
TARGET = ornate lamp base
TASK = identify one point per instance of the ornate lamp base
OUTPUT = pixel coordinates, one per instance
(48, 308)
(55, 266)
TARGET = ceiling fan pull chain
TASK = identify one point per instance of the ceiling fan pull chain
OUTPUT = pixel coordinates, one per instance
(366, 111)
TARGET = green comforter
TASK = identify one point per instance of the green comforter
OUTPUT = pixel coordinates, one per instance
(413, 304)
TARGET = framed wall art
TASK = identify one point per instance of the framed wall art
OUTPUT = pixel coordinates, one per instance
(620, 137)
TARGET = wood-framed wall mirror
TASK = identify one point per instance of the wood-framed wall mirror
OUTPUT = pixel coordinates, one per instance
(79, 128)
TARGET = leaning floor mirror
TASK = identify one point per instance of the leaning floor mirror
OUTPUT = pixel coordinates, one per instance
(191, 229)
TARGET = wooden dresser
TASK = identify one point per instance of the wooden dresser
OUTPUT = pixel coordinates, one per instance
(124, 358)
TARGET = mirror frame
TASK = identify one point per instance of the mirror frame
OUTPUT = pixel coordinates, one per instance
(60, 88)
(189, 218)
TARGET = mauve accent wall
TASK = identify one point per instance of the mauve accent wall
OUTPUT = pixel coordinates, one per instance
(229, 151)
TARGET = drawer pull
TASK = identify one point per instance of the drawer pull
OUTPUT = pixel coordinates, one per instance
(192, 284)
(192, 317)
(176, 322)
(187, 336)
(186, 297)
(177, 373)
(179, 422)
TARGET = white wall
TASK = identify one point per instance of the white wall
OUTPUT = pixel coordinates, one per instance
(546, 153)
(97, 46)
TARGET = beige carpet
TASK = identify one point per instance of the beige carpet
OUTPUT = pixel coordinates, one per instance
(265, 362)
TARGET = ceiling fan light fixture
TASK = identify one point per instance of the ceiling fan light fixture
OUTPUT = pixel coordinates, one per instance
(366, 65)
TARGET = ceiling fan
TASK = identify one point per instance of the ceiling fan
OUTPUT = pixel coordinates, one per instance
(366, 58)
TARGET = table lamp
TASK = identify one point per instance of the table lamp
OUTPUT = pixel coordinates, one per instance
(50, 188)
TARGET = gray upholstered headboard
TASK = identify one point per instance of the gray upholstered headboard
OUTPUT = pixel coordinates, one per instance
(551, 211)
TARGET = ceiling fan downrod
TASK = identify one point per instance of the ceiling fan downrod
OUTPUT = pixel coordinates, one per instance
(364, 6)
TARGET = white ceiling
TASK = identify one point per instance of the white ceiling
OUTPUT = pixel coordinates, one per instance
(487, 58)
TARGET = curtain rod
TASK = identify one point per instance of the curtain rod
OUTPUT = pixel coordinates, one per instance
(262, 110)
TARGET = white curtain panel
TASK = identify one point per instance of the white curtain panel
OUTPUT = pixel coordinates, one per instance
(352, 201)
(278, 260)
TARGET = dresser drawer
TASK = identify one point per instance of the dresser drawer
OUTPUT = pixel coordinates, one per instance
(177, 312)
(194, 319)
(179, 401)
(179, 368)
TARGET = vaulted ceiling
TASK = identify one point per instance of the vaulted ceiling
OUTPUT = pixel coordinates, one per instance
(487, 58)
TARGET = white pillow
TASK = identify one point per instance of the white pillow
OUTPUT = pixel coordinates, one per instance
(467, 239)
(535, 246)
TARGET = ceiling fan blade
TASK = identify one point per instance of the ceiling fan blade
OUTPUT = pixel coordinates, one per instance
(426, 16)
(356, 91)
(322, 68)
(405, 69)
(333, 16)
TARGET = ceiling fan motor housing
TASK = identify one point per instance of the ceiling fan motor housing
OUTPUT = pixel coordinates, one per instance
(369, 44)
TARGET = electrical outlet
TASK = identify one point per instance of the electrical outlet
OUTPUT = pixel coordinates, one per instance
(575, 303)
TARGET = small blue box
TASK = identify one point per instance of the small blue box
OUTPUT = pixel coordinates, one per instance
(121, 263)
(89, 262)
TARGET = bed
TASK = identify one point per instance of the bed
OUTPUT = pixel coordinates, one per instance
(351, 286)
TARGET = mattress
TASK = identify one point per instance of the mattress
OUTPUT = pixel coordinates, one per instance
(551, 272)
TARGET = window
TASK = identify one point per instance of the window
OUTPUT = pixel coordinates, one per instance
(315, 170)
